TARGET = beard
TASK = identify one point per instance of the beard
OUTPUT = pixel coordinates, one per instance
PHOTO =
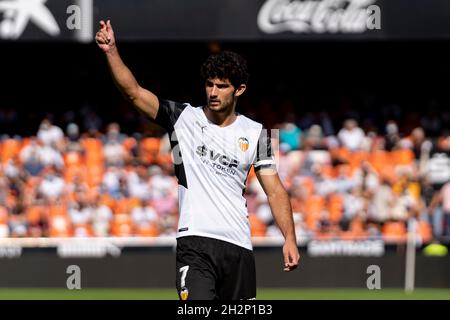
(219, 106)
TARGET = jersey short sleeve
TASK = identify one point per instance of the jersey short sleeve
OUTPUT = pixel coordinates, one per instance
(264, 154)
(168, 113)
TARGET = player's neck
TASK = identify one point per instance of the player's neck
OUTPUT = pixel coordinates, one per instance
(222, 119)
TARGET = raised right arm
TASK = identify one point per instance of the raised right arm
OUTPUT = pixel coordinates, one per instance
(125, 81)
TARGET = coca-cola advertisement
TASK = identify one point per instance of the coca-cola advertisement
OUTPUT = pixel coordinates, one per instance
(312, 16)
(206, 20)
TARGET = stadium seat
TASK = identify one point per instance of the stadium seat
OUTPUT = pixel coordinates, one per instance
(60, 226)
(72, 158)
(335, 207)
(402, 157)
(394, 231)
(257, 226)
(34, 214)
(3, 215)
(121, 226)
(10, 149)
(149, 150)
(425, 231)
(150, 230)
(314, 205)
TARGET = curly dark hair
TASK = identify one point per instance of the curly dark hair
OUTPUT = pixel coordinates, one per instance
(226, 65)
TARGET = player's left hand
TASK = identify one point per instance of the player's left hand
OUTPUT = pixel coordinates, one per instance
(291, 255)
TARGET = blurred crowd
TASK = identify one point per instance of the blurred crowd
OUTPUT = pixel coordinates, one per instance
(349, 183)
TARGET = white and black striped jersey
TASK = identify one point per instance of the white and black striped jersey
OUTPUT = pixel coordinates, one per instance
(212, 164)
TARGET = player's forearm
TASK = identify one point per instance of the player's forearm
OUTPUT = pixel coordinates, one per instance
(282, 213)
(122, 76)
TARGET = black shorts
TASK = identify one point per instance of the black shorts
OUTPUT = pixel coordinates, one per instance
(211, 269)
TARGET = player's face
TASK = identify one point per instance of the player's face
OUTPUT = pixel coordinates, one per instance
(220, 94)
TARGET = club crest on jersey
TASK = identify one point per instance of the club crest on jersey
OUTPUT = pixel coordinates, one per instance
(184, 293)
(243, 144)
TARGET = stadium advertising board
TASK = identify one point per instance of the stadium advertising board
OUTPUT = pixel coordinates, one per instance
(173, 20)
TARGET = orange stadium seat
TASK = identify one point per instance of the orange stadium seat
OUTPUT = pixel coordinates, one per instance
(94, 175)
(314, 205)
(425, 231)
(72, 158)
(10, 149)
(94, 151)
(60, 226)
(122, 206)
(34, 214)
(129, 143)
(150, 230)
(379, 160)
(356, 230)
(402, 157)
(335, 207)
(121, 226)
(394, 231)
(257, 227)
(149, 150)
(3, 215)
(107, 200)
(57, 210)
(357, 157)
(308, 185)
(328, 171)
(343, 154)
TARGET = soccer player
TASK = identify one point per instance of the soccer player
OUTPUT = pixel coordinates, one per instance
(214, 148)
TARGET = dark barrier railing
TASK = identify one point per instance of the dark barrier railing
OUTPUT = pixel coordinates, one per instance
(143, 265)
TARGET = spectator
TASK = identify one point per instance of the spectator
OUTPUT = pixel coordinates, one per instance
(31, 157)
(160, 184)
(50, 156)
(144, 214)
(314, 138)
(351, 136)
(113, 134)
(52, 185)
(392, 136)
(80, 213)
(50, 134)
(354, 204)
(138, 183)
(290, 134)
(382, 203)
(111, 181)
(101, 218)
(114, 153)
(440, 207)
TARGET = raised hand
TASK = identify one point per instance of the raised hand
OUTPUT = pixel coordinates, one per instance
(105, 36)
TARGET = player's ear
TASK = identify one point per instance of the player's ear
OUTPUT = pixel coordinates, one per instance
(240, 90)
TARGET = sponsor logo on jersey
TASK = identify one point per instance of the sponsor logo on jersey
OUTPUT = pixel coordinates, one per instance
(201, 126)
(184, 293)
(210, 154)
(243, 144)
(221, 163)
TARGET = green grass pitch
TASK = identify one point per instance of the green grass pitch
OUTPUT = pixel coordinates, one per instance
(262, 294)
